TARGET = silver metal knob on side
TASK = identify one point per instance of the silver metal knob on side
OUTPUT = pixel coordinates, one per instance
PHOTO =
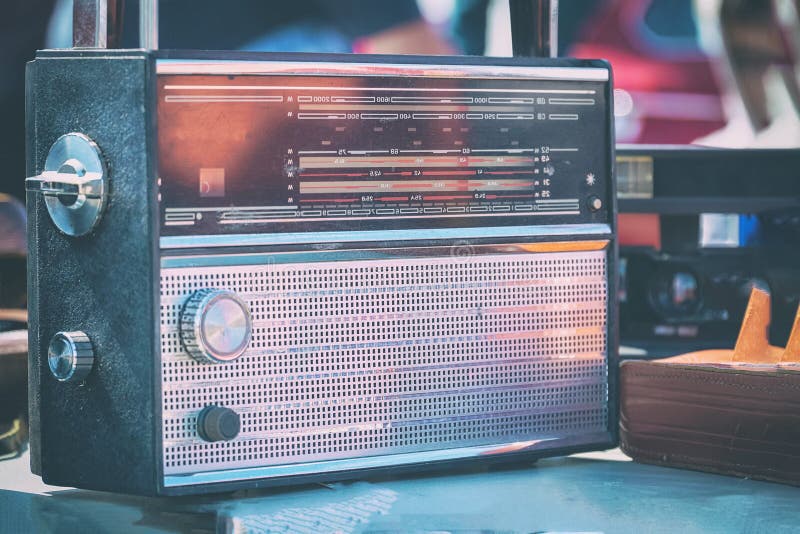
(215, 326)
(74, 184)
(70, 356)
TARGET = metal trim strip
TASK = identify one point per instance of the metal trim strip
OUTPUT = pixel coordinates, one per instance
(234, 67)
(372, 462)
(301, 238)
(217, 260)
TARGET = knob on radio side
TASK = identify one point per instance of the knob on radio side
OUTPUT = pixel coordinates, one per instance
(215, 326)
(74, 184)
(70, 356)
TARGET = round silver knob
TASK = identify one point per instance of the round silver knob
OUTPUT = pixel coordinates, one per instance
(215, 326)
(70, 356)
(74, 184)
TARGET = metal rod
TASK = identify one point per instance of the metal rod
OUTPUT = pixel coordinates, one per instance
(148, 24)
(553, 34)
(116, 9)
(534, 28)
(90, 23)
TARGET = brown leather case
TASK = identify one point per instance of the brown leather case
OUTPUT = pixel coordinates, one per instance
(734, 412)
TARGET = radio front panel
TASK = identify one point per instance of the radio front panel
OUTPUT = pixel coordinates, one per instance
(363, 354)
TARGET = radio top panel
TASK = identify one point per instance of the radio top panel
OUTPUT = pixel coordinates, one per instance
(271, 146)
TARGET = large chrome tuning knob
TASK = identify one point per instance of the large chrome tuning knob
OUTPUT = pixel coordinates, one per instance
(215, 326)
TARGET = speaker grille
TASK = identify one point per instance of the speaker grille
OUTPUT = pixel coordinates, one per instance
(375, 357)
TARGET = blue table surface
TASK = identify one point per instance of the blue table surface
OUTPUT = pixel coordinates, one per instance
(596, 492)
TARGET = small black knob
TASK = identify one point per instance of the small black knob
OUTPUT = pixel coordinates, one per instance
(217, 423)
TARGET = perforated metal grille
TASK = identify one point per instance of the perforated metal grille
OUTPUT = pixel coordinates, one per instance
(366, 358)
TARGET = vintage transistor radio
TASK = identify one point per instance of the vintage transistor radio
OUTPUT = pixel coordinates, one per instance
(256, 269)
